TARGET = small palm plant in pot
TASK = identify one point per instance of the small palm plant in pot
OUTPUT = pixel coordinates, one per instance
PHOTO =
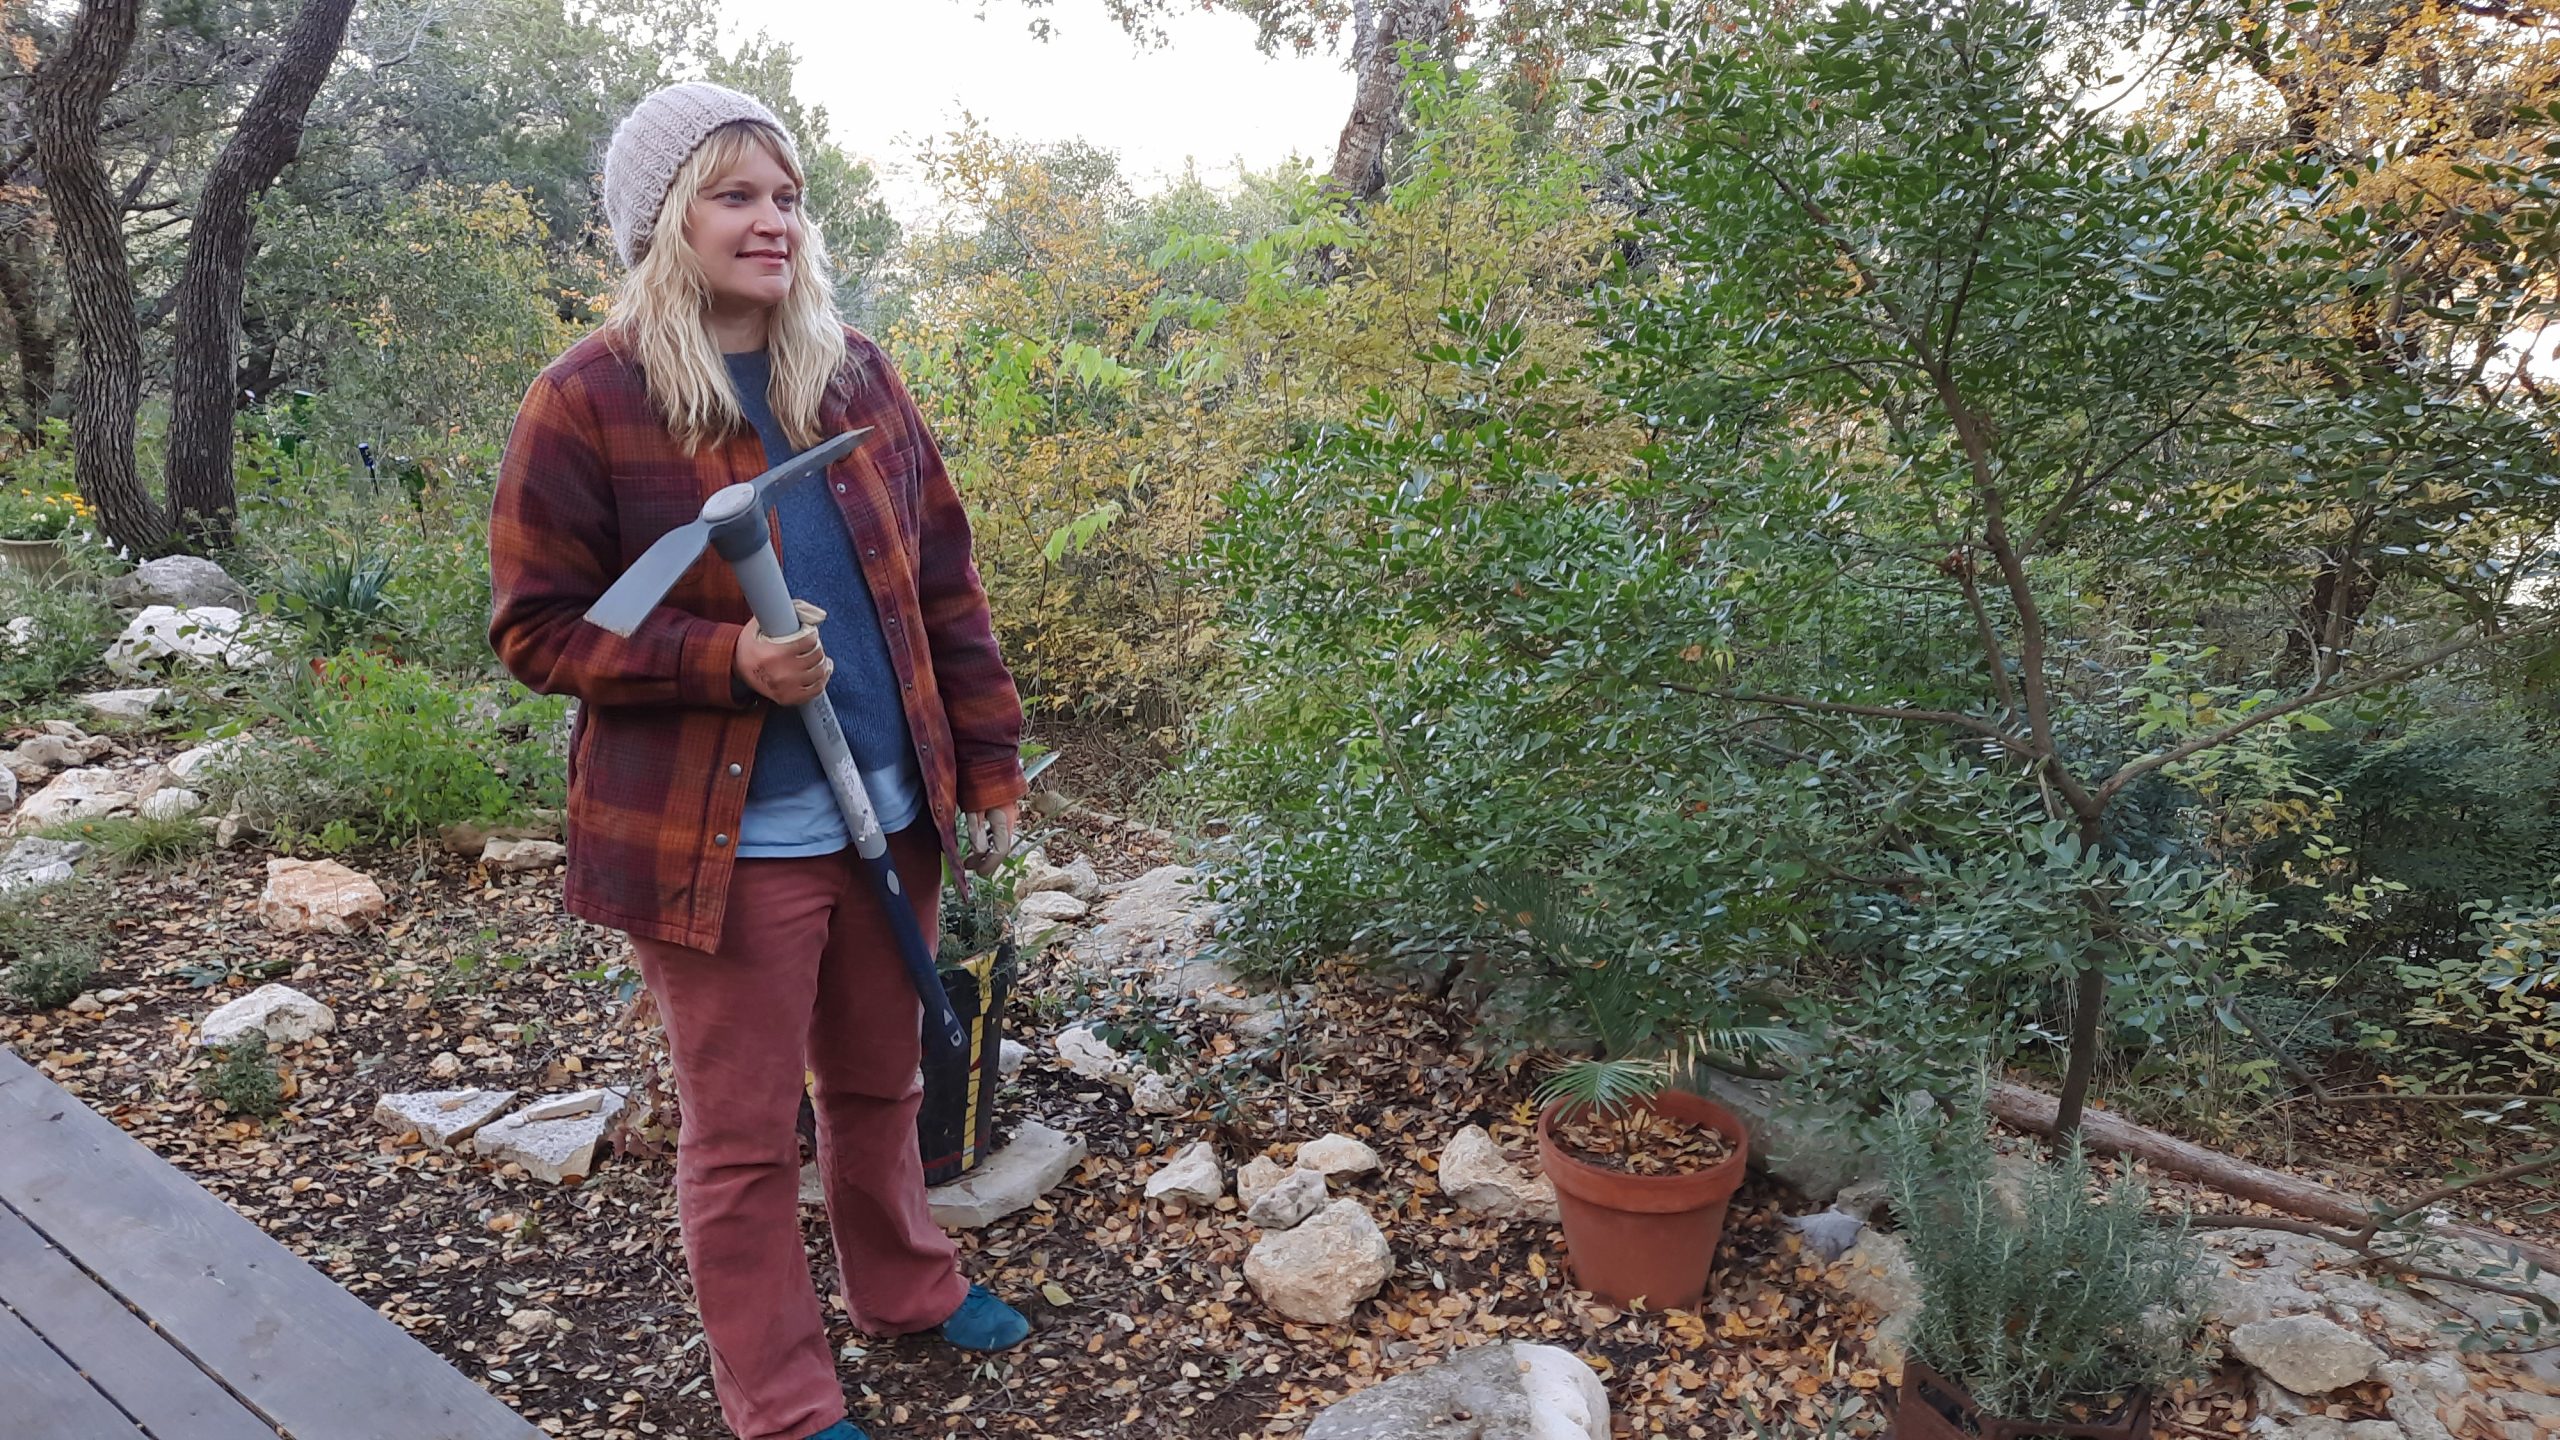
(2049, 1308)
(1643, 1169)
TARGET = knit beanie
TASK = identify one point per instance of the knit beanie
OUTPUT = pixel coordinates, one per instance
(655, 140)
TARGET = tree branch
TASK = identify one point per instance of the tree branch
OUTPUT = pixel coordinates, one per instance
(1956, 718)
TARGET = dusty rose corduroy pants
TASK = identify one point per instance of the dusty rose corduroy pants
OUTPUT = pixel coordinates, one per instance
(806, 979)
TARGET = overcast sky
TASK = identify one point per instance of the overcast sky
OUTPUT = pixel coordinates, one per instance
(893, 72)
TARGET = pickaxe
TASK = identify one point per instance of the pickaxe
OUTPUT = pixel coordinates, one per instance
(733, 523)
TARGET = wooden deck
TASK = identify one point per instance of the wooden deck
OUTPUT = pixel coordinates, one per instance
(132, 1303)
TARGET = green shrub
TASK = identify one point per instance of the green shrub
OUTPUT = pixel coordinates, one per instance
(244, 1078)
(2046, 1296)
(70, 625)
(372, 750)
(133, 841)
(51, 976)
(341, 601)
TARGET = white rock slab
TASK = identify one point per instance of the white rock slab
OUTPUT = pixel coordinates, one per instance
(1337, 1156)
(1086, 1054)
(128, 704)
(2307, 1354)
(171, 802)
(177, 580)
(1478, 1177)
(1319, 1271)
(1036, 1161)
(202, 636)
(1052, 905)
(1011, 1056)
(1191, 1177)
(554, 1139)
(1513, 1391)
(195, 764)
(442, 1118)
(1256, 1179)
(8, 790)
(281, 1013)
(1074, 878)
(88, 793)
(305, 896)
(1299, 1194)
(518, 856)
(35, 862)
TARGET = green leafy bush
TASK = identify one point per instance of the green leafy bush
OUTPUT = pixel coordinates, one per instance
(68, 626)
(244, 1078)
(2042, 1296)
(372, 750)
(51, 974)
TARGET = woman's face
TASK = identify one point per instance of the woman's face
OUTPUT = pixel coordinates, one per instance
(744, 227)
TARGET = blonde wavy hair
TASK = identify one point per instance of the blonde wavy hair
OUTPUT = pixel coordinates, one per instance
(662, 309)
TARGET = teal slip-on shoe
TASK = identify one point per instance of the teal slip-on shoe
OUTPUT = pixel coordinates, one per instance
(841, 1430)
(984, 1322)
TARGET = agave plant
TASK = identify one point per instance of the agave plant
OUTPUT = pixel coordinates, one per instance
(1652, 1021)
(343, 600)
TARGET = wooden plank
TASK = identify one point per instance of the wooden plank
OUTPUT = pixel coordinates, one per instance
(305, 1355)
(134, 1366)
(47, 1399)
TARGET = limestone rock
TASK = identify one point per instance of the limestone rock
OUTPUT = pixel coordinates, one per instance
(198, 763)
(445, 1066)
(1191, 1177)
(38, 756)
(88, 793)
(1010, 1055)
(1152, 1094)
(319, 895)
(1075, 878)
(1299, 1194)
(553, 1139)
(1478, 1177)
(532, 1321)
(1031, 1165)
(8, 790)
(177, 580)
(85, 1004)
(2306, 1354)
(1256, 1179)
(1800, 1142)
(1877, 1273)
(1319, 1271)
(518, 856)
(128, 704)
(1157, 920)
(164, 636)
(281, 1013)
(34, 862)
(171, 802)
(441, 1117)
(470, 838)
(1502, 1391)
(1085, 1053)
(1829, 1233)
(1052, 905)
(1337, 1156)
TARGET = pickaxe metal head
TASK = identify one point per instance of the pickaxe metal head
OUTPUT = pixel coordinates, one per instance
(732, 518)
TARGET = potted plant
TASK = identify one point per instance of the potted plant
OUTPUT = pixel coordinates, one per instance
(32, 524)
(1643, 1169)
(2049, 1308)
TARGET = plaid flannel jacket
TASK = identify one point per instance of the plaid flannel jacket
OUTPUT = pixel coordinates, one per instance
(658, 758)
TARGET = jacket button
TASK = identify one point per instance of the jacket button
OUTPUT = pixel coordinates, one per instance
(720, 840)
(839, 487)
(736, 769)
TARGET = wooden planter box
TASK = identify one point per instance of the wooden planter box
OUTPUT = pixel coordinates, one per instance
(1929, 1406)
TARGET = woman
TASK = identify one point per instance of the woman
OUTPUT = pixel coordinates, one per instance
(699, 821)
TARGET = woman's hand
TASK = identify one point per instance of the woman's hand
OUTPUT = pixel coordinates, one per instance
(789, 671)
(990, 836)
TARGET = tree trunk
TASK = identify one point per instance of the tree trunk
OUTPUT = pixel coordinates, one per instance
(39, 355)
(1359, 160)
(2108, 1134)
(2089, 999)
(67, 99)
(205, 334)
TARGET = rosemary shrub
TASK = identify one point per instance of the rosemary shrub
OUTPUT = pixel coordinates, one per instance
(2052, 1295)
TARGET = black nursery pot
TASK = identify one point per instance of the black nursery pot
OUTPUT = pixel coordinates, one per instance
(956, 1126)
(1929, 1406)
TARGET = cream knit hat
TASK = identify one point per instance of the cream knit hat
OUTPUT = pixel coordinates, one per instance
(656, 138)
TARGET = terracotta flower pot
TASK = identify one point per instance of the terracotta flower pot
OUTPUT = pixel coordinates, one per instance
(1929, 1406)
(1646, 1237)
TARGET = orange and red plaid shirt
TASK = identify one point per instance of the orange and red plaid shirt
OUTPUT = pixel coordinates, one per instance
(658, 759)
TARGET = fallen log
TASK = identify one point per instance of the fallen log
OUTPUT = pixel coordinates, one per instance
(2033, 1110)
